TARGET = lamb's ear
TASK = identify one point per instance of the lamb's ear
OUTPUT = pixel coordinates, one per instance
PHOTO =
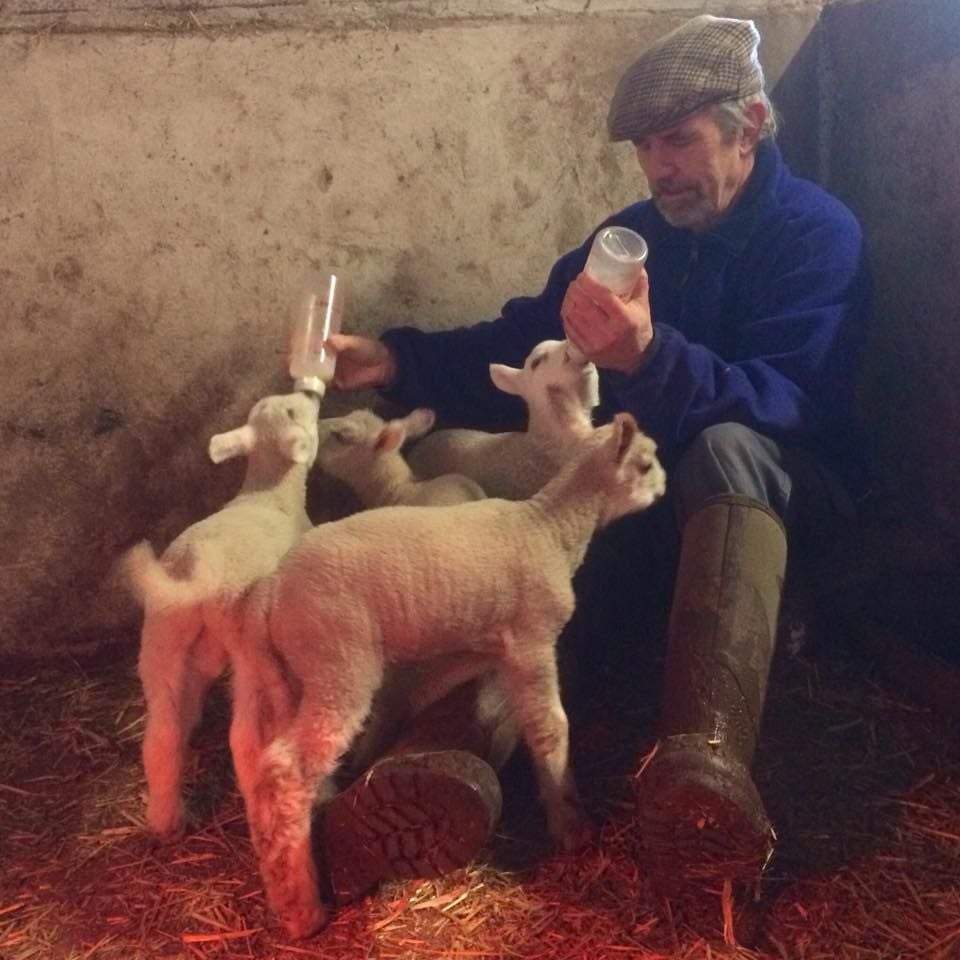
(346, 430)
(233, 443)
(626, 430)
(391, 437)
(506, 378)
(419, 422)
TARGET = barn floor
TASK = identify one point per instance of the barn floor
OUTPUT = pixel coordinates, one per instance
(863, 786)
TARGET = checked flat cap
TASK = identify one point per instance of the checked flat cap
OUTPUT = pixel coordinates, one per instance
(705, 60)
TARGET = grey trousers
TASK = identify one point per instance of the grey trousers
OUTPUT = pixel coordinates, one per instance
(731, 458)
(625, 586)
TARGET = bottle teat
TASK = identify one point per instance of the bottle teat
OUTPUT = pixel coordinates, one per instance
(574, 354)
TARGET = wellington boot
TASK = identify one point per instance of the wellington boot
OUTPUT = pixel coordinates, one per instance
(701, 818)
(430, 804)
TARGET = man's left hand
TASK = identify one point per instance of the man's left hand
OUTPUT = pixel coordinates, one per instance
(613, 333)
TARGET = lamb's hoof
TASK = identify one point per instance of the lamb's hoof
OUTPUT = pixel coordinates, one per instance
(165, 818)
(166, 835)
(574, 830)
(305, 922)
(410, 815)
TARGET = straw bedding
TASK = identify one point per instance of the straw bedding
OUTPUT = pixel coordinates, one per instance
(863, 787)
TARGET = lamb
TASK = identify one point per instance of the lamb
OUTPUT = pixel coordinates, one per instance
(490, 578)
(560, 394)
(363, 450)
(190, 594)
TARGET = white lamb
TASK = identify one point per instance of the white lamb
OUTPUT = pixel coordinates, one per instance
(190, 594)
(489, 578)
(560, 393)
(363, 450)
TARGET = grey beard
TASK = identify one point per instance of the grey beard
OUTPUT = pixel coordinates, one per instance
(697, 217)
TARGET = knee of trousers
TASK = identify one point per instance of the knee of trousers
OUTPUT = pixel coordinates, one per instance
(729, 458)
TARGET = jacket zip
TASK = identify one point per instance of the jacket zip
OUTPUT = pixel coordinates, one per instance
(691, 263)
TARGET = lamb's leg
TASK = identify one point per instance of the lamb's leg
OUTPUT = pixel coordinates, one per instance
(163, 753)
(530, 681)
(174, 686)
(263, 707)
(279, 815)
(246, 733)
(281, 801)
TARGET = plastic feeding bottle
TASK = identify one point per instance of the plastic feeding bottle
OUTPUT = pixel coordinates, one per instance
(317, 314)
(615, 261)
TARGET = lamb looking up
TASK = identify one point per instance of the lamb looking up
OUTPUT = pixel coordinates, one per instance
(188, 594)
(560, 394)
(363, 451)
(402, 583)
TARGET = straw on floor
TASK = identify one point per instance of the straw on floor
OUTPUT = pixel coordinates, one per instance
(864, 790)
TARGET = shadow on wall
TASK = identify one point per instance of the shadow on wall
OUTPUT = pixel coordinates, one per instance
(891, 144)
(896, 133)
(798, 99)
(857, 101)
(107, 480)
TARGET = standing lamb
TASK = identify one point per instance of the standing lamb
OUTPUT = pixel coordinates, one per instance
(364, 451)
(190, 594)
(492, 577)
(560, 394)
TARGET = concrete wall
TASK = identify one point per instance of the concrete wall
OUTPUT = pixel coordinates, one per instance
(893, 70)
(165, 178)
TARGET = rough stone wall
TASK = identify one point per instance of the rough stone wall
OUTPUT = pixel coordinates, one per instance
(164, 182)
(893, 68)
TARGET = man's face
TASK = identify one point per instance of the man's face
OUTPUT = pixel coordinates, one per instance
(695, 173)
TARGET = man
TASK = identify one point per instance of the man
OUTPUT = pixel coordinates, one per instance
(736, 352)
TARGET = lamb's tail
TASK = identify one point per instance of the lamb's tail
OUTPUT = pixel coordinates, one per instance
(155, 587)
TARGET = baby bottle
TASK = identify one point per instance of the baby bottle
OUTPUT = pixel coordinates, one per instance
(615, 261)
(317, 314)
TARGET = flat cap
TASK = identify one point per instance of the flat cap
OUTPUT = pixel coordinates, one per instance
(705, 60)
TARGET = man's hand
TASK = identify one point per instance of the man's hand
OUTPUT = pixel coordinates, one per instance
(362, 362)
(611, 332)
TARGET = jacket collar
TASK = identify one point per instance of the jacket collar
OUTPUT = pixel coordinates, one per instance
(735, 229)
(733, 232)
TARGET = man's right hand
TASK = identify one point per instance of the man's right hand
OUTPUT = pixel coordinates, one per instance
(613, 333)
(362, 362)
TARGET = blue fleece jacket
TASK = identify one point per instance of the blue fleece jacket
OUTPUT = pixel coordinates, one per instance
(759, 322)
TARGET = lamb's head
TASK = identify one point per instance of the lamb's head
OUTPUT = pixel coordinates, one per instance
(624, 461)
(350, 445)
(283, 427)
(557, 388)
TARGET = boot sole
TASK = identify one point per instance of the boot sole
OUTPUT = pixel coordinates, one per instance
(415, 815)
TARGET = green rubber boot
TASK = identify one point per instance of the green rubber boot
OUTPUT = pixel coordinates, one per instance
(701, 818)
